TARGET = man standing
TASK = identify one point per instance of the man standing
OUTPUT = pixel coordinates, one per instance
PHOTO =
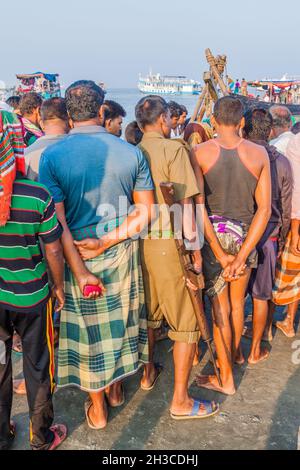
(258, 125)
(165, 290)
(30, 106)
(281, 131)
(175, 113)
(55, 124)
(237, 183)
(94, 179)
(113, 115)
(27, 214)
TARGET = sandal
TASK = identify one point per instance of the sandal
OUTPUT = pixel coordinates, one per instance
(159, 369)
(211, 409)
(60, 433)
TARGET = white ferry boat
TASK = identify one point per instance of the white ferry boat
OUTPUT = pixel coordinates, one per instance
(168, 85)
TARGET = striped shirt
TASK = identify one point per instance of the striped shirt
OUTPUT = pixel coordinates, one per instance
(23, 273)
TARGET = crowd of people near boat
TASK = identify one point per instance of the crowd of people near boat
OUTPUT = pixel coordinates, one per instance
(101, 279)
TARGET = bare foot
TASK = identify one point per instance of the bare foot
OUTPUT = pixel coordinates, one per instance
(239, 357)
(19, 386)
(255, 359)
(210, 382)
(286, 328)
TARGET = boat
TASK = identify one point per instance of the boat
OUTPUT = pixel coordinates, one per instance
(285, 90)
(168, 85)
(45, 84)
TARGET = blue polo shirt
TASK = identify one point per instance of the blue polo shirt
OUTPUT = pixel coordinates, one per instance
(89, 171)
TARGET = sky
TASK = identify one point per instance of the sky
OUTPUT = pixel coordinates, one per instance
(115, 40)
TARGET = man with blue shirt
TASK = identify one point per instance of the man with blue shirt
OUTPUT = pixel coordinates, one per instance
(95, 179)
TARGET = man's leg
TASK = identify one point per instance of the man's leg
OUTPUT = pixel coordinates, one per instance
(6, 390)
(36, 331)
(98, 412)
(150, 371)
(287, 326)
(259, 319)
(223, 344)
(237, 291)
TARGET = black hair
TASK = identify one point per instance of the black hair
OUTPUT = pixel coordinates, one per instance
(30, 102)
(258, 124)
(175, 109)
(113, 110)
(54, 108)
(296, 128)
(133, 133)
(84, 99)
(282, 117)
(149, 109)
(228, 111)
(184, 109)
(14, 101)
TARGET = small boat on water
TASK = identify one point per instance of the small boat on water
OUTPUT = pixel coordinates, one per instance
(45, 84)
(168, 85)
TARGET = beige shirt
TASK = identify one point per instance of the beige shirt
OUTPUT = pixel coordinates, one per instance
(169, 161)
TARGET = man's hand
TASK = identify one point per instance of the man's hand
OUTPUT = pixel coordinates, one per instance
(226, 260)
(295, 245)
(59, 295)
(89, 279)
(235, 269)
(90, 248)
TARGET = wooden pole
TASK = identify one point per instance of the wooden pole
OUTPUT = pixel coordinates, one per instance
(199, 103)
(212, 62)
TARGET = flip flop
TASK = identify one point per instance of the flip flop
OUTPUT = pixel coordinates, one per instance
(118, 404)
(208, 405)
(60, 434)
(159, 369)
(87, 407)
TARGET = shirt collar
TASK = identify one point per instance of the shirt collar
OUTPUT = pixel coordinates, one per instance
(88, 130)
(150, 135)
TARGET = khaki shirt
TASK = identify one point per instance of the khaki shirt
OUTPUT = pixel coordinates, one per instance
(169, 161)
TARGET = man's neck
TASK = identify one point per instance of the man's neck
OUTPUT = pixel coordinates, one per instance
(153, 128)
(279, 131)
(91, 122)
(54, 130)
(31, 119)
(228, 135)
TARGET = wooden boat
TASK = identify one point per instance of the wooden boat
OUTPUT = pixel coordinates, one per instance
(45, 84)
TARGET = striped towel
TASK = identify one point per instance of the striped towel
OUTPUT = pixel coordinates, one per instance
(11, 159)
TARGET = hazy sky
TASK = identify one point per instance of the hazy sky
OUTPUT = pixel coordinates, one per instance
(114, 40)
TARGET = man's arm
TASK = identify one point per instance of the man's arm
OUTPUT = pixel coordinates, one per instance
(134, 224)
(286, 204)
(77, 266)
(295, 242)
(259, 222)
(55, 261)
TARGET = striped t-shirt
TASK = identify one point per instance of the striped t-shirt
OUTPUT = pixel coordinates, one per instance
(23, 274)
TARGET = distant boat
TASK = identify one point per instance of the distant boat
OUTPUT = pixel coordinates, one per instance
(168, 85)
(45, 84)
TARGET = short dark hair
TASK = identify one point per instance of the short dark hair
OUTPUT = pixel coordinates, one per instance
(30, 102)
(149, 108)
(54, 108)
(133, 133)
(183, 110)
(175, 109)
(14, 101)
(296, 128)
(84, 99)
(228, 111)
(258, 124)
(113, 110)
(282, 116)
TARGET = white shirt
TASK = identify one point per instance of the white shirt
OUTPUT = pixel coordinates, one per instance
(282, 142)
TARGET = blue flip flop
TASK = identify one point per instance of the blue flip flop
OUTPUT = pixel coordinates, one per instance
(210, 407)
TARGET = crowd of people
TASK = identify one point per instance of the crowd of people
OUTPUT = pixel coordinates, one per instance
(88, 260)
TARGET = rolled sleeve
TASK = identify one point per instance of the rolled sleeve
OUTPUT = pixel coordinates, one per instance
(47, 177)
(143, 179)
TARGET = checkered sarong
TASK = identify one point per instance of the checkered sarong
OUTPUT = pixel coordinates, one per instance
(287, 282)
(103, 341)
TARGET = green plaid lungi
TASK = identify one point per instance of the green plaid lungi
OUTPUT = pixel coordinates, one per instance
(105, 340)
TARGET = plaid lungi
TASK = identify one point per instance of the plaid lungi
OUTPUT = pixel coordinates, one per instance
(105, 340)
(287, 282)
